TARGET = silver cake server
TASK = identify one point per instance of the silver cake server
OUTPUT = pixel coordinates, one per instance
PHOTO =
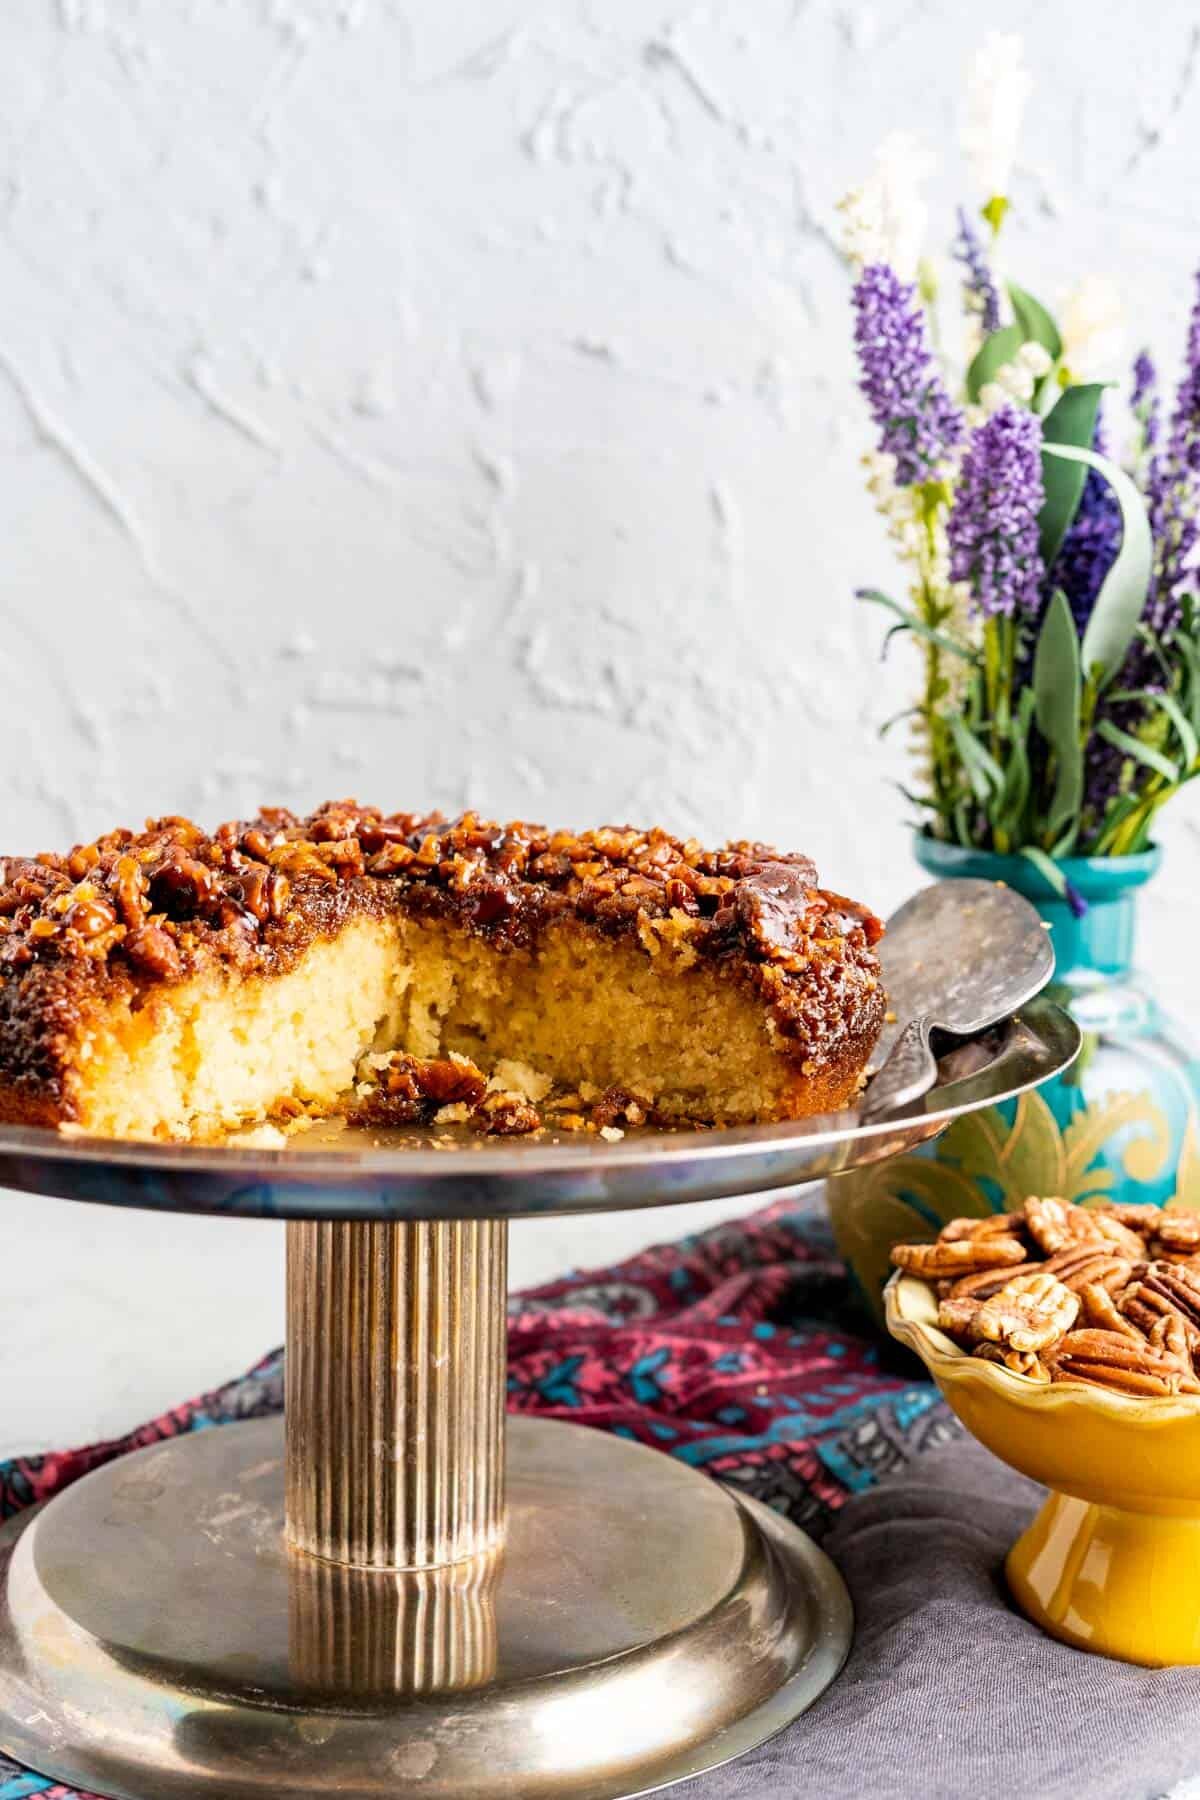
(959, 957)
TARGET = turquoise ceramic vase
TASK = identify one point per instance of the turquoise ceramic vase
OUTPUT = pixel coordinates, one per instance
(1119, 1125)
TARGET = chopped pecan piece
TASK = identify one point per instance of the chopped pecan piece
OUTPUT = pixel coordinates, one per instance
(508, 1115)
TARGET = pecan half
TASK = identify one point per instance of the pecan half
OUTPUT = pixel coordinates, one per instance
(1019, 1362)
(1139, 1216)
(1049, 1223)
(1178, 1287)
(956, 1317)
(962, 1256)
(986, 1282)
(1004, 1224)
(1112, 1360)
(1172, 1335)
(1090, 1261)
(1177, 1231)
(1029, 1313)
(1058, 1227)
(1098, 1309)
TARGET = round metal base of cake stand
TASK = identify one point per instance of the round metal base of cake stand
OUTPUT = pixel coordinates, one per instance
(160, 1641)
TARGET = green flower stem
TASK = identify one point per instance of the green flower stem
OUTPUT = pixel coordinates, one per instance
(933, 613)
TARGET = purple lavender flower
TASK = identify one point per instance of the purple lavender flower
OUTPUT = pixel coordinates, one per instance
(993, 523)
(1173, 491)
(979, 290)
(1092, 540)
(1144, 400)
(918, 422)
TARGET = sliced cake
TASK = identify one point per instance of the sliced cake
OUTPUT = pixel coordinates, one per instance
(174, 983)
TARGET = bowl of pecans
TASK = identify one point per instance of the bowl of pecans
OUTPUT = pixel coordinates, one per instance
(1067, 1339)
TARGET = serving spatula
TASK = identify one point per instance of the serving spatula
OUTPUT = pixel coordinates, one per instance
(958, 958)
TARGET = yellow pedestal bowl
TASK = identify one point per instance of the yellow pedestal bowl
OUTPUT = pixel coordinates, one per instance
(1112, 1561)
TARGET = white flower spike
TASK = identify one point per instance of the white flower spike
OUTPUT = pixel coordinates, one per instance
(884, 220)
(1092, 324)
(998, 87)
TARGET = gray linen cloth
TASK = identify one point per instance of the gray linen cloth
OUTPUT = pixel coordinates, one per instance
(949, 1694)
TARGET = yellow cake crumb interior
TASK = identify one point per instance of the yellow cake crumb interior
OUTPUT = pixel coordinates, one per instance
(649, 1017)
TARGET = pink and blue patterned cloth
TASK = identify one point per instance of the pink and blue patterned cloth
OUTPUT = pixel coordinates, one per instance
(736, 1350)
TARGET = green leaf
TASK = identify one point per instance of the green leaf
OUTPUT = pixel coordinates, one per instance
(1050, 870)
(1183, 726)
(1115, 815)
(910, 622)
(1017, 776)
(1035, 322)
(916, 799)
(996, 350)
(1057, 688)
(1071, 420)
(1118, 606)
(979, 765)
(910, 712)
(1139, 752)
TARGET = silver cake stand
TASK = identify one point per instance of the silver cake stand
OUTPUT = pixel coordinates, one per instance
(399, 1592)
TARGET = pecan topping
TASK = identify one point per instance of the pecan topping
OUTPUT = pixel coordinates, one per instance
(410, 1090)
(507, 1115)
(255, 893)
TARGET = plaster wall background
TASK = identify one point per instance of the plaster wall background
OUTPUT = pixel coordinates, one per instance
(453, 404)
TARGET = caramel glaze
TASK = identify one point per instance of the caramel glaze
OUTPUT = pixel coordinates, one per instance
(133, 913)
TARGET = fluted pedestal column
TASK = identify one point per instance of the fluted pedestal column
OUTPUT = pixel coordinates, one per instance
(395, 1391)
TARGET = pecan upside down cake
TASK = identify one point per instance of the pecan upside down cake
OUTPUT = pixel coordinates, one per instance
(177, 984)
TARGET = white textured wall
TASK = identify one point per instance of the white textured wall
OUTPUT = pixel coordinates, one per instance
(451, 403)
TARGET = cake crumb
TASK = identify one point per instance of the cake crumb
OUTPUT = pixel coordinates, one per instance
(509, 1077)
(258, 1137)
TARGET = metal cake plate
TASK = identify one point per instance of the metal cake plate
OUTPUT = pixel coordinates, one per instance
(352, 1173)
(563, 1615)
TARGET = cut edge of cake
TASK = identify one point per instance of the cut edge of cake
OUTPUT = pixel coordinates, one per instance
(762, 1000)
